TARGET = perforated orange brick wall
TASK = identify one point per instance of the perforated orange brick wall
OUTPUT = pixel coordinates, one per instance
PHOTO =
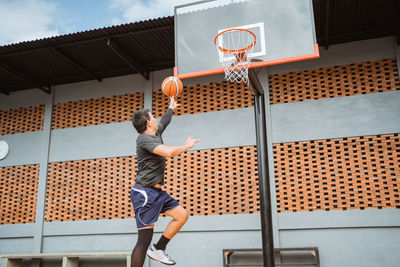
(96, 111)
(18, 192)
(21, 120)
(354, 79)
(215, 181)
(333, 174)
(338, 174)
(90, 189)
(205, 98)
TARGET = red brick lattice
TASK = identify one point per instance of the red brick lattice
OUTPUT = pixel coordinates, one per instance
(21, 120)
(90, 189)
(333, 174)
(96, 111)
(354, 79)
(215, 181)
(338, 174)
(205, 98)
(18, 192)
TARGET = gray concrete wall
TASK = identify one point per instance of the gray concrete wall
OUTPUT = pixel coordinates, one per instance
(25, 148)
(349, 247)
(343, 54)
(119, 139)
(342, 237)
(356, 115)
(345, 238)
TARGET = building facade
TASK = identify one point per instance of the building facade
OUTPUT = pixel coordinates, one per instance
(333, 128)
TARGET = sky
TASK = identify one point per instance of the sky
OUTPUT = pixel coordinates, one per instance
(26, 20)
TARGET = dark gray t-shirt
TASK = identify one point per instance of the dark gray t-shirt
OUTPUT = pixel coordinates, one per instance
(151, 166)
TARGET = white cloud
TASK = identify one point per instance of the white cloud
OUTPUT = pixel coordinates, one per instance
(137, 10)
(116, 21)
(25, 20)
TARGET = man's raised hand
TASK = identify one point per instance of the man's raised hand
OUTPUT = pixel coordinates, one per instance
(190, 142)
(172, 103)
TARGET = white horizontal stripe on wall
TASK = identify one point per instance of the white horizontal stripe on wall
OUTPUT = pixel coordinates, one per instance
(16, 230)
(339, 219)
(218, 129)
(343, 54)
(120, 85)
(359, 115)
(25, 148)
(23, 99)
(99, 141)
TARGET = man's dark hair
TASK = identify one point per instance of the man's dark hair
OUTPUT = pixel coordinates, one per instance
(139, 120)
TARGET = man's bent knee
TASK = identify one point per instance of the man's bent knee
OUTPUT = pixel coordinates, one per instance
(183, 216)
(178, 214)
(186, 216)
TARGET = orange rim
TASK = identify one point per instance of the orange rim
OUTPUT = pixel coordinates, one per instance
(235, 51)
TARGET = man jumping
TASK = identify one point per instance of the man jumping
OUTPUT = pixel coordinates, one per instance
(148, 199)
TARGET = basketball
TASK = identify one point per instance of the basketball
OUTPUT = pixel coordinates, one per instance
(172, 86)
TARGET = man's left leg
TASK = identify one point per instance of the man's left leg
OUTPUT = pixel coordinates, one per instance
(157, 251)
(179, 218)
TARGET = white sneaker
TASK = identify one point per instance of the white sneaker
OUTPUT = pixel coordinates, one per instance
(159, 255)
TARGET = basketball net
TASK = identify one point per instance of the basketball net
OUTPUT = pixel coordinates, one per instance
(236, 46)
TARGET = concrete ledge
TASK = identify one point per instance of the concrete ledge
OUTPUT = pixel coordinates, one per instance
(68, 259)
(212, 223)
(339, 219)
(16, 230)
(66, 254)
(217, 223)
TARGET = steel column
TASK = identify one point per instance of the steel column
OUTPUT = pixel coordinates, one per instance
(263, 170)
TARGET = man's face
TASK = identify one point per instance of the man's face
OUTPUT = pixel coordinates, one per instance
(152, 123)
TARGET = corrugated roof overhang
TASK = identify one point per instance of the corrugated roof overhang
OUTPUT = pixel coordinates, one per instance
(91, 55)
(147, 46)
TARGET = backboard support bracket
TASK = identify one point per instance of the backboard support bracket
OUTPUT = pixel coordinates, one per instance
(252, 65)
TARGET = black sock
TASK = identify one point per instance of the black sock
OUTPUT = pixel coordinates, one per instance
(139, 252)
(162, 243)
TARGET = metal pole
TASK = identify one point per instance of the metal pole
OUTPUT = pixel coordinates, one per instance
(263, 171)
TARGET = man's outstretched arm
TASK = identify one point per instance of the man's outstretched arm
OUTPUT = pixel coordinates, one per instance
(171, 151)
(166, 118)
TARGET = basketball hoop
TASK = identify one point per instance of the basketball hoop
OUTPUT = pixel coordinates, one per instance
(236, 46)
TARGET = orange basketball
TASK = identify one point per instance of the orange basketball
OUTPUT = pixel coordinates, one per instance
(172, 86)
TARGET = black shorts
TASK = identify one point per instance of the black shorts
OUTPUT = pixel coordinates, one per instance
(148, 203)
